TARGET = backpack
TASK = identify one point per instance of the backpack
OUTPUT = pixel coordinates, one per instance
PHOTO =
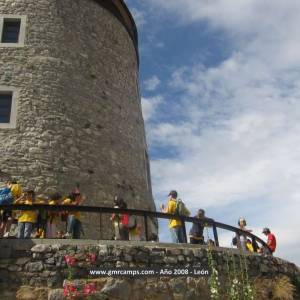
(6, 197)
(132, 222)
(181, 208)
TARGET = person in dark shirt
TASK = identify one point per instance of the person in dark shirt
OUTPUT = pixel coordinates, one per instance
(196, 232)
(271, 240)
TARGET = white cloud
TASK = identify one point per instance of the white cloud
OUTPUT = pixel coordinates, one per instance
(241, 138)
(149, 106)
(152, 83)
(160, 45)
(139, 17)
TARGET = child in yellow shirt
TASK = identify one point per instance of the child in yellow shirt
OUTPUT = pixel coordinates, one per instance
(74, 226)
(53, 216)
(27, 218)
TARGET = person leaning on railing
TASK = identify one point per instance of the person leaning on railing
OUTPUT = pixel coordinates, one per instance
(196, 232)
(6, 198)
(27, 218)
(242, 238)
(53, 216)
(271, 242)
(74, 225)
(42, 217)
(120, 220)
(115, 219)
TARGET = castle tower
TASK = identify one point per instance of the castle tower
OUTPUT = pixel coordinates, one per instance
(69, 101)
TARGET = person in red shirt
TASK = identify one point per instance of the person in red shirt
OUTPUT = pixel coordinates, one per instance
(271, 240)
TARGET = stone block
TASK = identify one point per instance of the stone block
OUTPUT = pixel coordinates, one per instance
(170, 260)
(57, 294)
(173, 251)
(22, 261)
(119, 289)
(35, 266)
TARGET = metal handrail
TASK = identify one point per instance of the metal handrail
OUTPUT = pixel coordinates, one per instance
(208, 222)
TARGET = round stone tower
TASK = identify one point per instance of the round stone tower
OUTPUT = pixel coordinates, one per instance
(70, 108)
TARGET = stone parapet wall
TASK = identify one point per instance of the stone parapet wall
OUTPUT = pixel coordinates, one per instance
(42, 268)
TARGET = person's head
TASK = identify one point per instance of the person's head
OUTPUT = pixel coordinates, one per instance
(201, 213)
(29, 194)
(242, 222)
(266, 231)
(173, 194)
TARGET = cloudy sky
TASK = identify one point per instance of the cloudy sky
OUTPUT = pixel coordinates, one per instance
(220, 83)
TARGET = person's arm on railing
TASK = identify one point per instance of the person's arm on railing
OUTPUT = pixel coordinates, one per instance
(20, 200)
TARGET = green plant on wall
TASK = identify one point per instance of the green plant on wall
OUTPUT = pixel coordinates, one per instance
(233, 286)
(239, 286)
(213, 280)
(247, 289)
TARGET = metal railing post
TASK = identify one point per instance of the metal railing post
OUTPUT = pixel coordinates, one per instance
(216, 235)
(184, 230)
(146, 227)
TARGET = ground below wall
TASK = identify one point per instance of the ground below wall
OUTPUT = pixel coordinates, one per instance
(45, 269)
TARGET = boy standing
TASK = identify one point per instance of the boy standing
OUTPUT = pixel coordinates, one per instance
(271, 242)
(175, 225)
(196, 232)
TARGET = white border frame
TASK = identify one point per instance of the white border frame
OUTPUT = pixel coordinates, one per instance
(14, 106)
(22, 33)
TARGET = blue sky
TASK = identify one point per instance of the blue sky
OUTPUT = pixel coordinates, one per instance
(220, 84)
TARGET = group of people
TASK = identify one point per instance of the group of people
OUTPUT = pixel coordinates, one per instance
(176, 206)
(53, 224)
(242, 242)
(38, 224)
(49, 224)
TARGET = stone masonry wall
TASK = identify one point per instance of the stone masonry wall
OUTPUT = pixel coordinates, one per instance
(30, 270)
(79, 115)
